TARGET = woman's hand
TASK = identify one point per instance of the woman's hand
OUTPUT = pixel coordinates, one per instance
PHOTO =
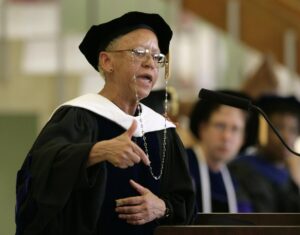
(140, 209)
(120, 151)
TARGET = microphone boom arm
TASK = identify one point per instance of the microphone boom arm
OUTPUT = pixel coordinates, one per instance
(258, 109)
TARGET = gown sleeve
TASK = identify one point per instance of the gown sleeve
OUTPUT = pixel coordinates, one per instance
(55, 168)
(177, 188)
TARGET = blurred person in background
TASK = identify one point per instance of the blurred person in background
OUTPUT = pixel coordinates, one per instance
(156, 101)
(161, 100)
(105, 163)
(264, 174)
(220, 133)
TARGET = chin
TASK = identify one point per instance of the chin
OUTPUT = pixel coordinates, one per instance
(226, 157)
(143, 94)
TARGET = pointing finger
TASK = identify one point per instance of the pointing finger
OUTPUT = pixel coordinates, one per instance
(132, 129)
(141, 154)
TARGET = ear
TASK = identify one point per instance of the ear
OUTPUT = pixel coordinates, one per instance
(201, 129)
(105, 62)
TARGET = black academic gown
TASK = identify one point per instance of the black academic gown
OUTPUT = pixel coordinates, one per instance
(58, 195)
(269, 188)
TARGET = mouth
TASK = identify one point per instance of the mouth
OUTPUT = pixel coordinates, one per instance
(145, 77)
(223, 149)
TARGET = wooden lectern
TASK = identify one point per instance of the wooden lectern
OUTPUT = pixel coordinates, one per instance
(267, 219)
(237, 224)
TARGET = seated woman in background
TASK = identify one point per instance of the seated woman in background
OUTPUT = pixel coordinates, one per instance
(264, 175)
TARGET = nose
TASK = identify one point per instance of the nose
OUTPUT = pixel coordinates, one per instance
(149, 61)
(227, 133)
(288, 136)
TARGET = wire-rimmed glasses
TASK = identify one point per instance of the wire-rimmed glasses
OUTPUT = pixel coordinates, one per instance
(141, 54)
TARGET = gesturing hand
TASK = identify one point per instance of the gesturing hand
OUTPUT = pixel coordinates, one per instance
(140, 209)
(119, 151)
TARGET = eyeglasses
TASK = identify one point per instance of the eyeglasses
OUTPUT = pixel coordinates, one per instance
(222, 128)
(141, 55)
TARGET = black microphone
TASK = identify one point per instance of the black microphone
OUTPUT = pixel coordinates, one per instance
(222, 98)
(241, 103)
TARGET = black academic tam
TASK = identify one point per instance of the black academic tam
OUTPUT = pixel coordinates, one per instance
(99, 36)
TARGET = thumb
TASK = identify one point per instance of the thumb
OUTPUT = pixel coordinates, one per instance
(132, 129)
(142, 190)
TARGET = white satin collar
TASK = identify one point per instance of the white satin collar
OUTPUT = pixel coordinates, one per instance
(152, 121)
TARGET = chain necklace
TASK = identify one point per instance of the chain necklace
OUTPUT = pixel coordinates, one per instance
(164, 144)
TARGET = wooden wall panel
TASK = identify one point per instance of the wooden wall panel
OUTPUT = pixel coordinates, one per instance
(263, 22)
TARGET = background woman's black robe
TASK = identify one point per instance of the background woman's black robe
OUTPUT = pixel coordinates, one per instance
(270, 188)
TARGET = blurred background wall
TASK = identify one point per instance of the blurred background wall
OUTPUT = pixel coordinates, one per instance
(239, 44)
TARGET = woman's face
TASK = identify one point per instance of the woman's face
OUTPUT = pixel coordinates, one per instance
(126, 65)
(287, 124)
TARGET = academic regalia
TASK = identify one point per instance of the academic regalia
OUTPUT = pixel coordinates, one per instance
(215, 191)
(269, 188)
(57, 193)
